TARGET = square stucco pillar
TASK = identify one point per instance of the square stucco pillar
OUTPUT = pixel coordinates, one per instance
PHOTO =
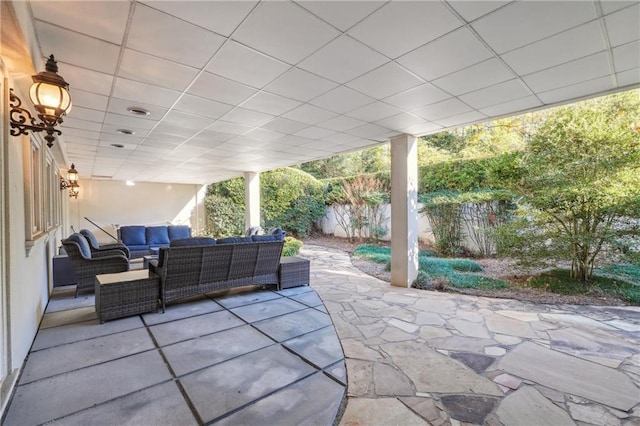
(251, 199)
(404, 210)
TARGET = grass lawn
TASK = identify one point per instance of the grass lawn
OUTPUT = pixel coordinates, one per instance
(619, 281)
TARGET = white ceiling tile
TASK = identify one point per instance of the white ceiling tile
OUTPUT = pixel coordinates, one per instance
(475, 77)
(577, 90)
(628, 78)
(584, 69)
(162, 35)
(341, 14)
(125, 147)
(285, 31)
(190, 121)
(466, 118)
(129, 122)
(472, 9)
(387, 80)
(623, 26)
(74, 123)
(564, 47)
(157, 71)
(220, 89)
(85, 79)
(245, 65)
(341, 123)
(401, 121)
(265, 135)
(228, 127)
(354, 58)
(627, 56)
(80, 50)
(368, 131)
(374, 111)
(609, 6)
(301, 85)
(270, 104)
(248, 117)
(87, 114)
(142, 92)
(88, 100)
(498, 94)
(201, 106)
(291, 140)
(210, 137)
(399, 27)
(442, 109)
(515, 106)
(445, 55)
(105, 20)
(423, 129)
(119, 106)
(79, 140)
(110, 134)
(221, 17)
(524, 22)
(341, 100)
(418, 96)
(309, 114)
(171, 129)
(313, 132)
(284, 125)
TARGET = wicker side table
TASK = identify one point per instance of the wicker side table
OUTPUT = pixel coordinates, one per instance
(293, 272)
(126, 293)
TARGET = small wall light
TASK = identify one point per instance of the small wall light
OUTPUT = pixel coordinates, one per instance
(72, 182)
(50, 96)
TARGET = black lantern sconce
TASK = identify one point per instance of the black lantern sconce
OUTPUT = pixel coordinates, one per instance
(71, 182)
(50, 96)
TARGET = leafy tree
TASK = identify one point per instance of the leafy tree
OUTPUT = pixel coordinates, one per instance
(579, 182)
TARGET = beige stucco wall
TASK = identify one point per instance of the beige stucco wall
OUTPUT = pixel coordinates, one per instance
(112, 203)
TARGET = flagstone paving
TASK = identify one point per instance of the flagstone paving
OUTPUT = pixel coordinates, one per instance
(417, 357)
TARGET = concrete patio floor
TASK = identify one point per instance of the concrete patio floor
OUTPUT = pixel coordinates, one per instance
(273, 358)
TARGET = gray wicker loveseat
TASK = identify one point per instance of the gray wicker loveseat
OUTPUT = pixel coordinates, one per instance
(191, 270)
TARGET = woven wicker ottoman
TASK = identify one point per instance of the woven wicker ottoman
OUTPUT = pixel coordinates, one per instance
(293, 272)
(126, 293)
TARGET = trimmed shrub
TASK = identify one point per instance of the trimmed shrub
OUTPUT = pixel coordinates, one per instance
(224, 217)
(291, 246)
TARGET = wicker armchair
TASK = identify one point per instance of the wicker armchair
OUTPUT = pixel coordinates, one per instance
(88, 264)
(95, 246)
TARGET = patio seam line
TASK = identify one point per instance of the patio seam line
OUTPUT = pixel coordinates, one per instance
(175, 379)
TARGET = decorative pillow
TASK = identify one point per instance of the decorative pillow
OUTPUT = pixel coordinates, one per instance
(85, 250)
(263, 237)
(157, 235)
(233, 240)
(278, 233)
(133, 235)
(93, 242)
(179, 231)
(195, 241)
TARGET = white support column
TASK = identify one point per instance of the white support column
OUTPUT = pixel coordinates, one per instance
(252, 199)
(404, 210)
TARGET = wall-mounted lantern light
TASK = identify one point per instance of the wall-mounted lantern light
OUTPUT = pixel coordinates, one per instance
(50, 96)
(71, 182)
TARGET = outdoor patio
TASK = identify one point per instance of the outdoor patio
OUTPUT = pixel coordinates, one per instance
(413, 357)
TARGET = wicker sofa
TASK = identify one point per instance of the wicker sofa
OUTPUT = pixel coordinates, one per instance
(140, 239)
(186, 271)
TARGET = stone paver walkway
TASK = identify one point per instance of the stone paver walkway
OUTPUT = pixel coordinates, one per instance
(415, 357)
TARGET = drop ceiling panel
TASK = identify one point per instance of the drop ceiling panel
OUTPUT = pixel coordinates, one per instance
(221, 17)
(300, 85)
(89, 100)
(165, 36)
(516, 105)
(105, 20)
(284, 125)
(354, 58)
(399, 27)
(313, 132)
(627, 56)
(119, 106)
(247, 117)
(80, 50)
(201, 106)
(374, 111)
(220, 89)
(75, 123)
(341, 100)
(442, 109)
(138, 92)
(524, 22)
(473, 9)
(577, 90)
(86, 79)
(564, 47)
(129, 121)
(341, 123)
(497, 94)
(461, 119)
(284, 31)
(81, 113)
(157, 71)
(624, 25)
(191, 121)
(389, 79)
(270, 104)
(309, 114)
(588, 68)
(475, 77)
(237, 62)
(341, 14)
(418, 96)
(445, 55)
(628, 78)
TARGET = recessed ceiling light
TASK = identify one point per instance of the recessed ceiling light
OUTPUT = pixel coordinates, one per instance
(138, 111)
(117, 145)
(126, 131)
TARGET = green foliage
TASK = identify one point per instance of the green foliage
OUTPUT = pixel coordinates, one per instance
(446, 272)
(628, 272)
(224, 217)
(561, 281)
(291, 246)
(579, 177)
(232, 189)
